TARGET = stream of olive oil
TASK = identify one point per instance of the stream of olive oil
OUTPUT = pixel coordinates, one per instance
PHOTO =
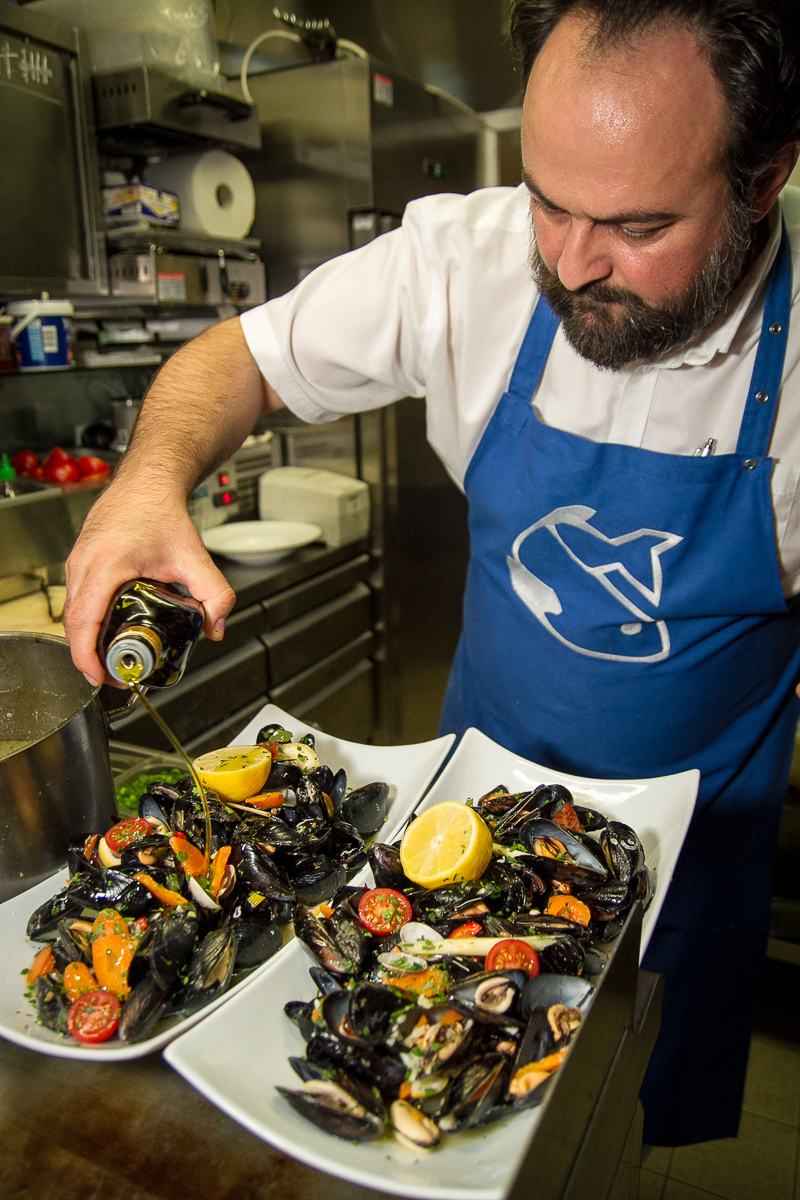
(170, 736)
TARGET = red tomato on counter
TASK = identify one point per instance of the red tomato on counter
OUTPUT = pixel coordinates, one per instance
(25, 462)
(61, 472)
(512, 953)
(383, 910)
(90, 464)
(93, 1017)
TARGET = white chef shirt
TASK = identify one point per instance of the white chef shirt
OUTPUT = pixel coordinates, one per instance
(439, 308)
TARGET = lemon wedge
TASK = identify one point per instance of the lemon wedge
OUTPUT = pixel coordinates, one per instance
(448, 843)
(235, 772)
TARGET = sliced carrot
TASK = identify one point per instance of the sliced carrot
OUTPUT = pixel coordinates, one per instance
(189, 857)
(43, 964)
(164, 894)
(90, 845)
(550, 1063)
(405, 1090)
(218, 868)
(113, 949)
(78, 980)
(266, 800)
(570, 907)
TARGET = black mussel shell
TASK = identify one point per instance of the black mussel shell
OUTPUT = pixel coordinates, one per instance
(335, 1009)
(610, 899)
(43, 921)
(622, 850)
(325, 1103)
(317, 879)
(111, 887)
(565, 957)
(544, 990)
(156, 806)
(386, 867)
(67, 950)
(346, 846)
(491, 997)
(372, 1010)
(320, 941)
(475, 1092)
(308, 739)
(642, 886)
(366, 807)
(300, 1013)
(51, 1003)
(273, 733)
(338, 788)
(142, 1010)
(212, 964)
(385, 1071)
(257, 871)
(582, 866)
(324, 980)
(175, 935)
(350, 934)
(322, 776)
(591, 820)
(607, 931)
(552, 925)
(283, 774)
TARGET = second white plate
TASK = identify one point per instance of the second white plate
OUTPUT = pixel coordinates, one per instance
(237, 1057)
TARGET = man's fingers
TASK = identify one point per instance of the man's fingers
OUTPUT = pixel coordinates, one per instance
(208, 585)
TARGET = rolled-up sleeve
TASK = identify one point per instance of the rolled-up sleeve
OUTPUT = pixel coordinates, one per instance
(351, 336)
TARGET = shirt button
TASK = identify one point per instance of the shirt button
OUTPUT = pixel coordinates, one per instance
(750, 464)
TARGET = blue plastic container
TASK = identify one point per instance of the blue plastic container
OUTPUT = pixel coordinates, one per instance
(42, 334)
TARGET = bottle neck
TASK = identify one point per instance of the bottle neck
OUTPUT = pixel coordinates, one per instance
(134, 654)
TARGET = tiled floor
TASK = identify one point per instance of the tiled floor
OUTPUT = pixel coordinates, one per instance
(763, 1162)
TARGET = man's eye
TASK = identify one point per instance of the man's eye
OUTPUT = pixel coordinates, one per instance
(639, 234)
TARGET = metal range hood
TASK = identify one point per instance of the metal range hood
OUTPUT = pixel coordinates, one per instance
(149, 107)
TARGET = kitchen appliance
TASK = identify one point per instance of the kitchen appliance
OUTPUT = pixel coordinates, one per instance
(215, 500)
(154, 268)
(337, 503)
(50, 199)
(57, 787)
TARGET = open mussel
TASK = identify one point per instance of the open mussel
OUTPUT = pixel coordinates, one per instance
(622, 850)
(51, 1004)
(490, 997)
(319, 940)
(144, 1007)
(545, 990)
(560, 855)
(412, 1128)
(475, 1093)
(174, 938)
(211, 965)
(340, 1105)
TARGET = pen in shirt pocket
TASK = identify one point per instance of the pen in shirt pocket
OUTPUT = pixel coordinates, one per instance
(706, 450)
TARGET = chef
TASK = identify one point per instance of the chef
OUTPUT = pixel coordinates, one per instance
(619, 396)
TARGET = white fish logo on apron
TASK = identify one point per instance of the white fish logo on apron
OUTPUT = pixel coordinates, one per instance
(618, 580)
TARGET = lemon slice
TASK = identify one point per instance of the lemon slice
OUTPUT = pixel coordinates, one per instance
(446, 844)
(234, 772)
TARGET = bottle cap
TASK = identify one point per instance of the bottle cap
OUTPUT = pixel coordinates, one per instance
(7, 472)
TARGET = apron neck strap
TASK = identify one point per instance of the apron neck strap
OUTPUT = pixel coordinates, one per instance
(533, 351)
(762, 399)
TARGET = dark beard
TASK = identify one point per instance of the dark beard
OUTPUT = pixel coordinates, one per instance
(639, 330)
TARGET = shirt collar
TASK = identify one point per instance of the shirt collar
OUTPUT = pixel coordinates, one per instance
(741, 313)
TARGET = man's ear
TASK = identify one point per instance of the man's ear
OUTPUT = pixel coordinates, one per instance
(773, 180)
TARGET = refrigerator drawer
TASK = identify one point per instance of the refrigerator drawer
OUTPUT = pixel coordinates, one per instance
(300, 599)
(309, 638)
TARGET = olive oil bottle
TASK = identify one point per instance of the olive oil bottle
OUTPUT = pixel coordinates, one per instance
(148, 633)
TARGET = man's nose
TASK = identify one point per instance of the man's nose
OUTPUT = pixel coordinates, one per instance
(583, 259)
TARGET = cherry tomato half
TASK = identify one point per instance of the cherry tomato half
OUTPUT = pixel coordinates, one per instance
(469, 929)
(513, 953)
(383, 910)
(93, 1017)
(125, 833)
(567, 818)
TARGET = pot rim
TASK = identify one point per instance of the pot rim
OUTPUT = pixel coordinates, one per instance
(29, 635)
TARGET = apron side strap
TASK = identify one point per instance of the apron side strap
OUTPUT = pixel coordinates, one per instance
(761, 408)
(533, 351)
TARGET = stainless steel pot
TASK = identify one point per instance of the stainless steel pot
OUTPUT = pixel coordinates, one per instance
(59, 787)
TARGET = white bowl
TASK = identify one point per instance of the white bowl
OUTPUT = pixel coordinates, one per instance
(256, 543)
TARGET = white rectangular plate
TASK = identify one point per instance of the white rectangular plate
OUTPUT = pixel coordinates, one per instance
(407, 769)
(237, 1057)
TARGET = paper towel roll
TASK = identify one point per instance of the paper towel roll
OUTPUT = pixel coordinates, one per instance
(215, 191)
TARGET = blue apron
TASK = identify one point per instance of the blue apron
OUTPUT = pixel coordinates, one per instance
(624, 617)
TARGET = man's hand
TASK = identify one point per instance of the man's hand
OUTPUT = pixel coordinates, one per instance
(125, 537)
(200, 408)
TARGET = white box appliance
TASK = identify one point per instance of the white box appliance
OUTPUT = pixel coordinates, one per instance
(337, 503)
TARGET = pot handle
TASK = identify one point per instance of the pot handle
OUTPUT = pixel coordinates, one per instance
(112, 715)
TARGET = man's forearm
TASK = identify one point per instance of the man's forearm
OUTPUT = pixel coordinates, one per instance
(200, 408)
